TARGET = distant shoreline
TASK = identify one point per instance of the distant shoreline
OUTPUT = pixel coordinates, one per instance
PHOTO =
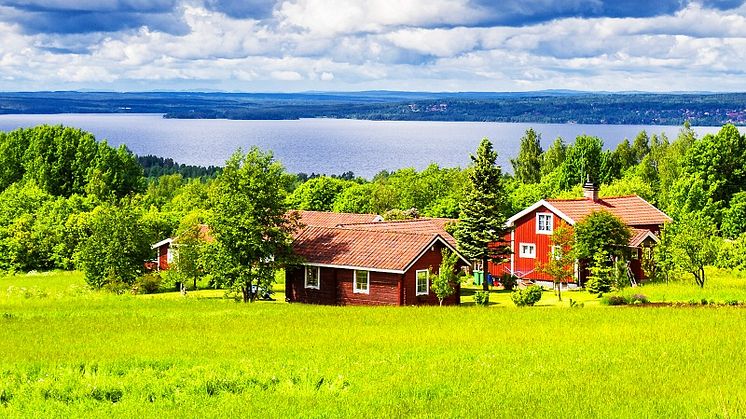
(701, 109)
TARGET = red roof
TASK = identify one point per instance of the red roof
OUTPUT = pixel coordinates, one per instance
(367, 249)
(638, 236)
(632, 209)
(418, 225)
(333, 219)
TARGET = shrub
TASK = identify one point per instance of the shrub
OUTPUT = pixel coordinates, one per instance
(598, 284)
(638, 299)
(148, 284)
(526, 297)
(508, 281)
(614, 300)
(481, 298)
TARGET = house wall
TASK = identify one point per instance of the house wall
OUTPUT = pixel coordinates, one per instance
(384, 289)
(525, 232)
(163, 256)
(296, 291)
(431, 258)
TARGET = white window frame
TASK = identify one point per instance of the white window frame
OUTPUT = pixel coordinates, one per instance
(417, 282)
(169, 255)
(318, 278)
(556, 252)
(549, 220)
(525, 255)
(355, 283)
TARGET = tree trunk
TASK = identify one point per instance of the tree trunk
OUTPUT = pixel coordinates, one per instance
(485, 287)
(559, 291)
(245, 290)
(195, 283)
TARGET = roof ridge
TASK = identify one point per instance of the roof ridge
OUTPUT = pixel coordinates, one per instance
(408, 233)
(588, 199)
(391, 221)
(335, 212)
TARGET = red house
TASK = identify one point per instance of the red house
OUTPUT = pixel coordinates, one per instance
(368, 263)
(166, 249)
(530, 239)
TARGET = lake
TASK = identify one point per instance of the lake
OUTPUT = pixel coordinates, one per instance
(330, 146)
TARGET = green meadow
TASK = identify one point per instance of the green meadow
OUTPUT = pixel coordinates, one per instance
(69, 352)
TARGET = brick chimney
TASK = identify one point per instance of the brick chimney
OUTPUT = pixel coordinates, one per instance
(590, 190)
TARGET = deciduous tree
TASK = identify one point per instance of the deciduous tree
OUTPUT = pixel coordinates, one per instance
(527, 166)
(444, 283)
(253, 233)
(561, 265)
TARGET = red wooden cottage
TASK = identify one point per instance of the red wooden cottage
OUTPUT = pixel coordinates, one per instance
(367, 263)
(166, 249)
(530, 239)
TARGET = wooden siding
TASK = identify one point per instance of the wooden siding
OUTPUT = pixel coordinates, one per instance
(163, 256)
(431, 258)
(296, 291)
(383, 290)
(525, 232)
(336, 286)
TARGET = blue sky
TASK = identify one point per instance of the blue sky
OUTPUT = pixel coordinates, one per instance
(344, 45)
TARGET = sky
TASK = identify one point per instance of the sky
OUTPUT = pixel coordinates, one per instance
(353, 45)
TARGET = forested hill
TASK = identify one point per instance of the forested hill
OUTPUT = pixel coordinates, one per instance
(540, 107)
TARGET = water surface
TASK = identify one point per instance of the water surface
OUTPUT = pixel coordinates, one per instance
(330, 146)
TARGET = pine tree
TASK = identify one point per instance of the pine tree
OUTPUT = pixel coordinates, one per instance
(481, 228)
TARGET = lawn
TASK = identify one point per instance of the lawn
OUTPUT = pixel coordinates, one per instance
(70, 353)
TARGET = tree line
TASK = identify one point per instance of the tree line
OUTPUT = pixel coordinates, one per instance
(69, 201)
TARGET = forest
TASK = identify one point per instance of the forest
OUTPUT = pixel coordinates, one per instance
(712, 109)
(68, 201)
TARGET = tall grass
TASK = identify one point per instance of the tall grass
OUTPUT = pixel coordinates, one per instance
(125, 356)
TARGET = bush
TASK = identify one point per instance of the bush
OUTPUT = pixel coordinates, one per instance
(526, 297)
(481, 298)
(614, 300)
(598, 284)
(638, 299)
(508, 281)
(148, 284)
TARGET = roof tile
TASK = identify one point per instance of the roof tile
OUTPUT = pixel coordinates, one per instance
(390, 250)
(632, 209)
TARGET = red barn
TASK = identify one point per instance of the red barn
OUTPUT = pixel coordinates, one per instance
(531, 237)
(368, 263)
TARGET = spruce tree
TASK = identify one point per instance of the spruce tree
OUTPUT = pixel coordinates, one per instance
(481, 229)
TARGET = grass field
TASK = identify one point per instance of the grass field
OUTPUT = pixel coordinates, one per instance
(68, 352)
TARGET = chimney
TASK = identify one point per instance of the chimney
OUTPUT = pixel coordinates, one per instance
(590, 190)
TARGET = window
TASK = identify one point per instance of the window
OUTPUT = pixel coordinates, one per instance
(528, 250)
(544, 223)
(423, 282)
(557, 252)
(169, 255)
(313, 276)
(361, 283)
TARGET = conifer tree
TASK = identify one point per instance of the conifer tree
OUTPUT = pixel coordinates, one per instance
(481, 228)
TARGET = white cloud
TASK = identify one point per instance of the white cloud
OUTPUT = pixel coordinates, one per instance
(286, 75)
(386, 44)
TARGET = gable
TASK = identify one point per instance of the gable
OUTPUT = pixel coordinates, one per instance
(540, 206)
